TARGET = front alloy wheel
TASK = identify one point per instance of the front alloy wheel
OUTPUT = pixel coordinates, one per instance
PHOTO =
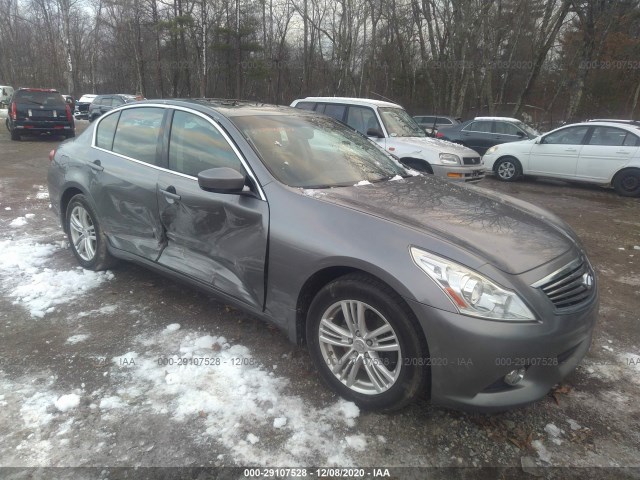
(508, 169)
(360, 347)
(366, 343)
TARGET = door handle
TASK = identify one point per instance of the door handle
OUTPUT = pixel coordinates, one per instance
(622, 152)
(96, 165)
(571, 150)
(170, 193)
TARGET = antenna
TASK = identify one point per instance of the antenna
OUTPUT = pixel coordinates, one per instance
(383, 97)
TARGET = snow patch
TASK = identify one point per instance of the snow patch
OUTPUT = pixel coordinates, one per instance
(67, 402)
(172, 328)
(543, 453)
(77, 338)
(18, 222)
(37, 288)
(362, 183)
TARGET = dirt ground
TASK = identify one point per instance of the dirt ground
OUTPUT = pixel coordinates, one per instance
(83, 383)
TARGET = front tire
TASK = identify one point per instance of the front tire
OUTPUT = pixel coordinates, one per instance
(508, 169)
(627, 183)
(88, 242)
(366, 343)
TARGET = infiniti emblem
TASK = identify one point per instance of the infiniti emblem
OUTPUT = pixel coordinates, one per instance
(587, 280)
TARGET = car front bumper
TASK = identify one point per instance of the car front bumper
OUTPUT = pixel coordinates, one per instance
(469, 357)
(459, 173)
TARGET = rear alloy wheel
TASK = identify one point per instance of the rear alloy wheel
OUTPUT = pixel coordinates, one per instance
(365, 343)
(627, 183)
(88, 243)
(508, 169)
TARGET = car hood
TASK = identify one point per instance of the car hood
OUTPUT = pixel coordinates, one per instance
(436, 145)
(509, 234)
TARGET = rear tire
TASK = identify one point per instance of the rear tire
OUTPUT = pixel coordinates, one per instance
(627, 183)
(508, 169)
(88, 242)
(378, 371)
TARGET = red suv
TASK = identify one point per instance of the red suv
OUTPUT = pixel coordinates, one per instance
(34, 111)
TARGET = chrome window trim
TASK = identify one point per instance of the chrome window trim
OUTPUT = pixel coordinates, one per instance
(162, 169)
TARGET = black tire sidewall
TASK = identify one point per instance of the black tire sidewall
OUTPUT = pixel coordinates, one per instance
(617, 184)
(413, 371)
(100, 260)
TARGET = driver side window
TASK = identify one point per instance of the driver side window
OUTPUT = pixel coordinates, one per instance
(567, 136)
(195, 145)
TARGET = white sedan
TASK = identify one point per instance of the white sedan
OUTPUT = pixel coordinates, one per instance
(605, 153)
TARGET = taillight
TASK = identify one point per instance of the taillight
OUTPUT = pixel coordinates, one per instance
(68, 109)
(52, 154)
(14, 112)
(439, 135)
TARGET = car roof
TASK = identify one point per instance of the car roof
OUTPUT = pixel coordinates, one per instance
(229, 108)
(625, 126)
(506, 119)
(367, 102)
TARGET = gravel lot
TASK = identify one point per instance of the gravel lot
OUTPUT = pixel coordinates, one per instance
(86, 377)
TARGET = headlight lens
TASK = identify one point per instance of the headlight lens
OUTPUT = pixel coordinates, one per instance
(472, 293)
(449, 159)
(492, 150)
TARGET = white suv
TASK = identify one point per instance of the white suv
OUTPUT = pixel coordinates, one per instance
(389, 125)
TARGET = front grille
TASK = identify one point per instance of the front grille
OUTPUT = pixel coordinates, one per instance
(471, 160)
(570, 286)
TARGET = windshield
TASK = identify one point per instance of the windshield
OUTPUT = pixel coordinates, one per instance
(316, 152)
(532, 132)
(399, 124)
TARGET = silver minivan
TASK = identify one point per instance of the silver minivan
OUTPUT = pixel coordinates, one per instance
(391, 127)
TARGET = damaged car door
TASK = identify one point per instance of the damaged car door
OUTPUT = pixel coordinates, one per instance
(125, 170)
(219, 239)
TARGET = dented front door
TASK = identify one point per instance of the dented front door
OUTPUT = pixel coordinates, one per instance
(218, 239)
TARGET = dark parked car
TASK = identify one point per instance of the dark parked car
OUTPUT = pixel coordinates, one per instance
(81, 110)
(105, 103)
(34, 111)
(397, 284)
(481, 133)
(433, 123)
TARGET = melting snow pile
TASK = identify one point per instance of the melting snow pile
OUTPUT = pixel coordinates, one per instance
(240, 402)
(39, 289)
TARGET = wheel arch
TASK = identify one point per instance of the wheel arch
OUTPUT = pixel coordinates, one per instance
(324, 276)
(410, 161)
(621, 171)
(70, 191)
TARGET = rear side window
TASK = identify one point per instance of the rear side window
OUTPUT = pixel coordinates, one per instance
(105, 131)
(444, 121)
(631, 140)
(481, 126)
(138, 132)
(195, 145)
(608, 136)
(335, 111)
(117, 101)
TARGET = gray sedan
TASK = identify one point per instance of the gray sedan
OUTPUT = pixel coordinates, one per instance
(398, 285)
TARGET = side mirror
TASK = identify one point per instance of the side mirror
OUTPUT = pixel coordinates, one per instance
(375, 132)
(520, 133)
(221, 180)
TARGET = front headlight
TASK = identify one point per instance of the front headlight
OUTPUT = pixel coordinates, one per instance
(492, 150)
(472, 293)
(449, 159)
